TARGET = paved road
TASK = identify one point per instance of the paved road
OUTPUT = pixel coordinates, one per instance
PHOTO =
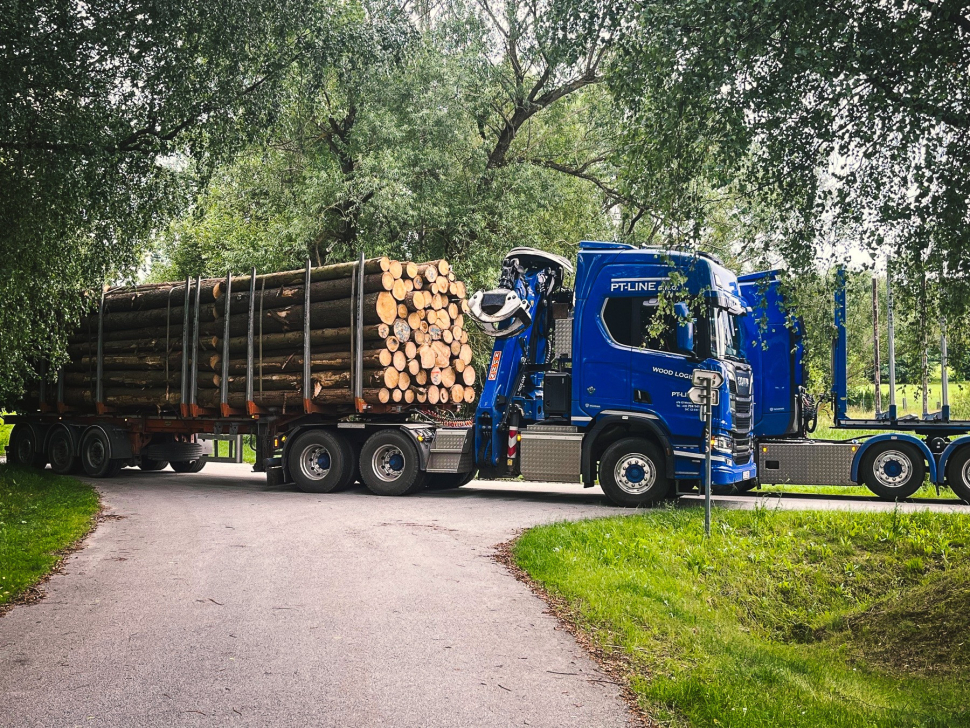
(216, 599)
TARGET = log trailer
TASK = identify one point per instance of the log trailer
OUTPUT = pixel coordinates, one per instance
(582, 386)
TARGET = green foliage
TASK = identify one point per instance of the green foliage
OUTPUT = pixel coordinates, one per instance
(821, 127)
(778, 619)
(101, 105)
(457, 137)
(40, 515)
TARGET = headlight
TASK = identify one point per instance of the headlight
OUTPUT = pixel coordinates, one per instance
(723, 443)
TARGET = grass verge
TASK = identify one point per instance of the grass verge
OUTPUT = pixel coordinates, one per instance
(782, 618)
(42, 516)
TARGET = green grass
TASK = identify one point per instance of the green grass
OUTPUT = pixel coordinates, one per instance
(782, 618)
(40, 515)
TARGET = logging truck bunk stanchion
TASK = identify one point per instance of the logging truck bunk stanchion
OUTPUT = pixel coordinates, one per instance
(42, 398)
(61, 407)
(99, 405)
(891, 342)
(877, 374)
(308, 406)
(357, 328)
(252, 409)
(186, 305)
(224, 409)
(944, 377)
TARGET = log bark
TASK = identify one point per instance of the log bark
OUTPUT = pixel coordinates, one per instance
(293, 363)
(163, 296)
(296, 277)
(282, 296)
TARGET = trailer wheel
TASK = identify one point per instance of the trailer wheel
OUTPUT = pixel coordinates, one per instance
(60, 452)
(389, 464)
(23, 448)
(96, 455)
(150, 465)
(449, 481)
(321, 462)
(188, 466)
(632, 473)
(893, 470)
(958, 474)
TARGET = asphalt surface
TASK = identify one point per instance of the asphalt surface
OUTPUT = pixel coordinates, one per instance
(214, 599)
(217, 600)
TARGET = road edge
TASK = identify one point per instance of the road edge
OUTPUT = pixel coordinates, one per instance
(618, 667)
(36, 591)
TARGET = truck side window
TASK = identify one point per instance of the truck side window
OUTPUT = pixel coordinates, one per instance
(658, 331)
(618, 319)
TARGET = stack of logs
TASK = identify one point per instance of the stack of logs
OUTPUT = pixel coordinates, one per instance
(415, 346)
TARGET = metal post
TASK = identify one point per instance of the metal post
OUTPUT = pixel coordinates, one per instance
(184, 399)
(99, 388)
(42, 370)
(924, 359)
(250, 337)
(877, 375)
(944, 380)
(359, 338)
(194, 372)
(306, 336)
(224, 383)
(60, 387)
(891, 329)
(708, 432)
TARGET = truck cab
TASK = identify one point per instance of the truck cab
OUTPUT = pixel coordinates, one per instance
(595, 385)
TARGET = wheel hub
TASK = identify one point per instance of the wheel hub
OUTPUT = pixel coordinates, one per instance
(892, 468)
(96, 453)
(60, 452)
(635, 474)
(315, 462)
(388, 463)
(25, 450)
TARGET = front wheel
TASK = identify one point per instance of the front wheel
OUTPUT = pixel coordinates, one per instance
(893, 470)
(632, 473)
(389, 464)
(958, 473)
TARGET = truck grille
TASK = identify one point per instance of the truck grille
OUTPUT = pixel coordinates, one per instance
(741, 450)
(741, 408)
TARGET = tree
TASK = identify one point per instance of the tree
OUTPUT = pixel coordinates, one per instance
(391, 146)
(100, 103)
(848, 120)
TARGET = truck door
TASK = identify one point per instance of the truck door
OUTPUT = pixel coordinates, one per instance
(605, 334)
(660, 376)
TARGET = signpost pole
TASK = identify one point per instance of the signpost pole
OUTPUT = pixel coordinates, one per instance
(708, 429)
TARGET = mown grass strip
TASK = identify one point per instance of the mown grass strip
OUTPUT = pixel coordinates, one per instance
(41, 515)
(781, 618)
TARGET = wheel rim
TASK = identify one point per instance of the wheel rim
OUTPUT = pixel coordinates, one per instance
(388, 463)
(61, 454)
(96, 453)
(315, 462)
(892, 468)
(965, 473)
(25, 449)
(635, 474)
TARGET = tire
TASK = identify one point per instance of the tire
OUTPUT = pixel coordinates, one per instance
(149, 465)
(320, 461)
(189, 466)
(60, 452)
(389, 464)
(958, 473)
(95, 455)
(23, 448)
(448, 481)
(893, 470)
(633, 474)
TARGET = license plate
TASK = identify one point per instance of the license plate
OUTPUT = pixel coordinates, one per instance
(748, 474)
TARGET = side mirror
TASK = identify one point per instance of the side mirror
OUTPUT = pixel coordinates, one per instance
(685, 329)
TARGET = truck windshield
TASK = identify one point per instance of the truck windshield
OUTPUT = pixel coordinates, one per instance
(726, 339)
